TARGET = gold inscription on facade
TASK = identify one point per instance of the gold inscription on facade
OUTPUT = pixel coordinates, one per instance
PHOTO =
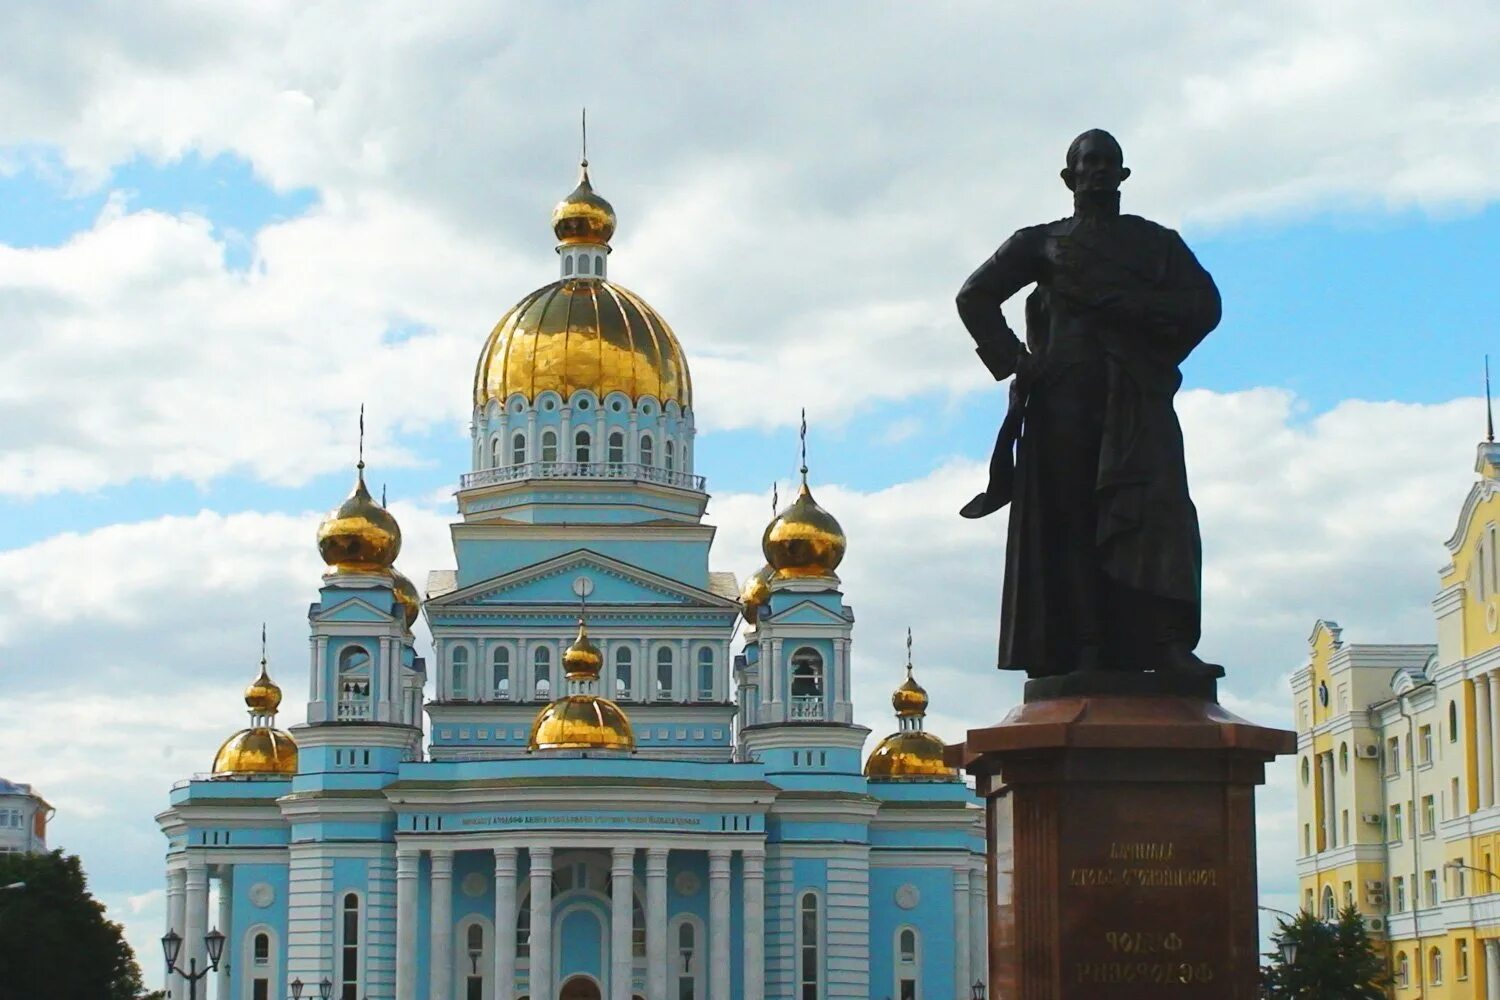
(1144, 878)
(1160, 973)
(1148, 851)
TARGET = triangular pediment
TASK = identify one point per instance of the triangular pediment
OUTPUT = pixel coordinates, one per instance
(551, 583)
(808, 613)
(353, 609)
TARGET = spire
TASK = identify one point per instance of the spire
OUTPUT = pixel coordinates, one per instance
(1489, 407)
(583, 161)
(910, 699)
(775, 499)
(361, 465)
(908, 650)
(262, 647)
(803, 435)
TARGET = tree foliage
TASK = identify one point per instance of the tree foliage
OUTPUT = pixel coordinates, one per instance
(1335, 961)
(55, 943)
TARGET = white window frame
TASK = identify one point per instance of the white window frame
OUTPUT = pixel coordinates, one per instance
(461, 968)
(361, 945)
(819, 946)
(901, 969)
(674, 956)
(270, 971)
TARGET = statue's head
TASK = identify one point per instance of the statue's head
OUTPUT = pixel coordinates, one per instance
(1095, 163)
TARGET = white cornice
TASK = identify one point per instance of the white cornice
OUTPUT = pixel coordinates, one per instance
(468, 597)
(1481, 491)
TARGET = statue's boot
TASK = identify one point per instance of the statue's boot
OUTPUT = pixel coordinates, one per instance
(1177, 658)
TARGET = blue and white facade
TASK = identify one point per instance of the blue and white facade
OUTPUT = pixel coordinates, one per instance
(24, 815)
(738, 852)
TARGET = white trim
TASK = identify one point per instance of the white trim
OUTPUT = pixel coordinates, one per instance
(250, 971)
(462, 970)
(798, 944)
(909, 970)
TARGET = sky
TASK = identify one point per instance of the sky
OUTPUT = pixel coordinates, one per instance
(225, 227)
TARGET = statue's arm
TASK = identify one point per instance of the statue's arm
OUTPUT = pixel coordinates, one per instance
(1011, 268)
(1185, 306)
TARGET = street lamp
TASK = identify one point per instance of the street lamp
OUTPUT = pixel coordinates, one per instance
(325, 989)
(977, 991)
(1288, 952)
(171, 947)
(13, 885)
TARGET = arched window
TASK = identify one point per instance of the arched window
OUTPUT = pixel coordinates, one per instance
(500, 671)
(1330, 907)
(354, 683)
(349, 950)
(809, 952)
(1435, 967)
(1452, 722)
(473, 962)
(582, 446)
(906, 965)
(458, 688)
(495, 452)
(549, 445)
(598, 263)
(623, 665)
(262, 950)
(583, 264)
(616, 448)
(664, 673)
(688, 962)
(567, 265)
(541, 669)
(648, 450)
(518, 449)
(669, 451)
(705, 674)
(1403, 970)
(807, 673)
(1343, 758)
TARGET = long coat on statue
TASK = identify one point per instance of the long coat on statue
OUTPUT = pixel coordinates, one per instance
(1120, 303)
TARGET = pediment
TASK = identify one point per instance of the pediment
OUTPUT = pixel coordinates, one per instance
(807, 613)
(353, 609)
(551, 583)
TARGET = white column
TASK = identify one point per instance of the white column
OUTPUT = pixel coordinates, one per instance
(718, 924)
(622, 898)
(541, 921)
(1330, 826)
(754, 880)
(195, 921)
(1491, 969)
(408, 870)
(505, 923)
(225, 926)
(656, 922)
(1483, 736)
(440, 954)
(979, 945)
(176, 915)
(1494, 743)
(961, 932)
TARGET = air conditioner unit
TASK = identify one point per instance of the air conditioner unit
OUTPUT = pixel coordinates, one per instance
(1374, 888)
(1367, 751)
(1375, 925)
(1372, 818)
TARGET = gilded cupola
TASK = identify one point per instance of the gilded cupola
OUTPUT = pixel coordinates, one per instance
(260, 748)
(910, 752)
(756, 592)
(583, 216)
(406, 596)
(359, 535)
(582, 719)
(804, 540)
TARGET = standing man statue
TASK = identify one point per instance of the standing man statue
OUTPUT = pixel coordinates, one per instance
(1103, 564)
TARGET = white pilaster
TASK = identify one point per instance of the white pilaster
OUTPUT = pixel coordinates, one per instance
(541, 921)
(505, 923)
(176, 914)
(225, 926)
(1491, 969)
(961, 932)
(1494, 679)
(718, 923)
(622, 898)
(408, 871)
(1330, 827)
(195, 922)
(1484, 737)
(440, 954)
(656, 922)
(754, 881)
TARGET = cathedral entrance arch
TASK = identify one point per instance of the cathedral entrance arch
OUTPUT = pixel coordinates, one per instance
(580, 988)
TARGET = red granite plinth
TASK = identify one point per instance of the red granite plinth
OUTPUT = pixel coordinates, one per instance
(1122, 847)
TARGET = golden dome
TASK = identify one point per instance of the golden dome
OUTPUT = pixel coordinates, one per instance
(406, 596)
(582, 661)
(575, 334)
(756, 592)
(582, 722)
(263, 696)
(360, 536)
(908, 754)
(910, 699)
(258, 750)
(583, 216)
(804, 540)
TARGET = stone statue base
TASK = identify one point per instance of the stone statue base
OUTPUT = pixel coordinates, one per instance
(1121, 827)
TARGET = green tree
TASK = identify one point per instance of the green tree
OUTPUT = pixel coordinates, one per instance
(1334, 961)
(55, 943)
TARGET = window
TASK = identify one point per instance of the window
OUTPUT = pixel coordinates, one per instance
(458, 689)
(582, 447)
(1394, 831)
(1435, 967)
(1307, 838)
(494, 453)
(1458, 877)
(1393, 755)
(1398, 893)
(1429, 814)
(668, 450)
(1344, 827)
(349, 951)
(474, 972)
(1452, 722)
(1343, 758)
(622, 672)
(809, 957)
(705, 674)
(1330, 906)
(648, 450)
(807, 674)
(1429, 887)
(687, 962)
(549, 445)
(500, 672)
(664, 673)
(906, 964)
(599, 263)
(1306, 770)
(1461, 958)
(523, 928)
(583, 264)
(1348, 894)
(541, 667)
(1453, 794)
(518, 449)
(1425, 735)
(260, 989)
(637, 927)
(1403, 970)
(354, 683)
(1323, 693)
(616, 454)
(567, 266)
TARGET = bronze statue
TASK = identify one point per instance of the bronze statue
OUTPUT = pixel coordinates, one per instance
(1103, 563)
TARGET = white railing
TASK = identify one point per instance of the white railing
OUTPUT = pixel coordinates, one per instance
(353, 710)
(807, 709)
(624, 471)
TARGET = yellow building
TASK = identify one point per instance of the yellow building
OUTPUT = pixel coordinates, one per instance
(1398, 780)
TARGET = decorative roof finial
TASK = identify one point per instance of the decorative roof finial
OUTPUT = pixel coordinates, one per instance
(1489, 407)
(382, 496)
(361, 465)
(584, 161)
(908, 650)
(804, 446)
(262, 646)
(775, 499)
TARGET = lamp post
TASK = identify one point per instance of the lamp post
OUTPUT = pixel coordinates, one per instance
(325, 989)
(976, 992)
(171, 946)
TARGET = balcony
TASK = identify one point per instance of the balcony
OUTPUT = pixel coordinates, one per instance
(807, 708)
(598, 471)
(353, 711)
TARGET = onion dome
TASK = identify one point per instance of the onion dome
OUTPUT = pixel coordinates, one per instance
(756, 592)
(582, 661)
(583, 216)
(261, 748)
(909, 754)
(910, 699)
(804, 540)
(582, 720)
(406, 596)
(263, 696)
(359, 536)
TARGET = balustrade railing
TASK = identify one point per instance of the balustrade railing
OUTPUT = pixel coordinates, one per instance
(619, 471)
(807, 709)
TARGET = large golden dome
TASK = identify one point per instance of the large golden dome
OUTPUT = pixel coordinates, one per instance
(257, 750)
(911, 753)
(583, 216)
(406, 596)
(756, 592)
(582, 722)
(359, 536)
(804, 540)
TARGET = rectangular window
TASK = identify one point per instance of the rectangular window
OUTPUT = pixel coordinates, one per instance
(908, 989)
(1458, 877)
(1395, 825)
(1398, 893)
(1348, 894)
(1306, 839)
(1393, 755)
(1458, 810)
(1425, 734)
(1429, 814)
(1344, 832)
(475, 989)
(1430, 888)
(261, 990)
(1463, 958)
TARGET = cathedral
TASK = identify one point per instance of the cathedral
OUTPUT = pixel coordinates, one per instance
(639, 779)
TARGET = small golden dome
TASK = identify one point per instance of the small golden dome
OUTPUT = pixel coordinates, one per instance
(910, 699)
(263, 696)
(406, 596)
(804, 540)
(583, 216)
(360, 536)
(909, 754)
(756, 592)
(582, 722)
(258, 750)
(582, 661)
